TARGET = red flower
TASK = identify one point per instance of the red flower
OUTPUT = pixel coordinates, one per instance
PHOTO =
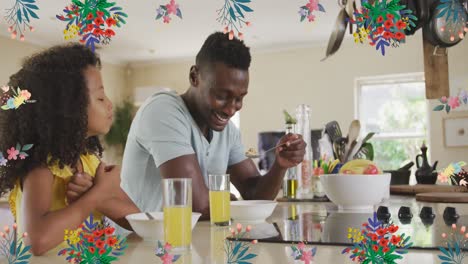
(109, 32)
(393, 228)
(395, 240)
(374, 237)
(375, 248)
(102, 251)
(100, 13)
(383, 242)
(96, 32)
(98, 233)
(89, 27)
(98, 21)
(100, 244)
(400, 24)
(387, 35)
(111, 241)
(90, 239)
(380, 30)
(355, 250)
(390, 16)
(388, 24)
(92, 250)
(380, 19)
(399, 36)
(109, 231)
(385, 249)
(382, 231)
(90, 16)
(110, 22)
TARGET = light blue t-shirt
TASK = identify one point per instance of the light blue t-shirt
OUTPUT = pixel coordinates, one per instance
(163, 129)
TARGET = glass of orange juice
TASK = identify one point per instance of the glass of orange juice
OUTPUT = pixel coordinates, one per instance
(177, 194)
(220, 202)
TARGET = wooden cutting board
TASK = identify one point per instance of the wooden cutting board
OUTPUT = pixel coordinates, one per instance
(426, 188)
(438, 197)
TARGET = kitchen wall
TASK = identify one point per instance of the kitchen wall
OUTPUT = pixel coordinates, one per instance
(282, 79)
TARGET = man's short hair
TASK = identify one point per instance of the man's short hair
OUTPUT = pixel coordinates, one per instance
(218, 48)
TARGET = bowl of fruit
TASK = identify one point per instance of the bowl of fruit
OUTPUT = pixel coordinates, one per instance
(359, 185)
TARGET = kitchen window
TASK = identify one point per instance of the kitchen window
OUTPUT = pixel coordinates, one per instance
(395, 108)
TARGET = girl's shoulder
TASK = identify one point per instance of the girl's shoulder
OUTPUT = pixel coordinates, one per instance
(89, 161)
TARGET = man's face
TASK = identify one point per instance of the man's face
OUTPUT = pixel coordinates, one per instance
(221, 92)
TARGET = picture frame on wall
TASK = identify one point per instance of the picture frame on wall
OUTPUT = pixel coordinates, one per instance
(456, 131)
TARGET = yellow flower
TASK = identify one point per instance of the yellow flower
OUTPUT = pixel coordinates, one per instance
(18, 101)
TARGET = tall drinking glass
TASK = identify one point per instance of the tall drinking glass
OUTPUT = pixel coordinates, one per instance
(178, 212)
(220, 206)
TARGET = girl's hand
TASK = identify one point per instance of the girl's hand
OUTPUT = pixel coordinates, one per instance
(79, 184)
(108, 180)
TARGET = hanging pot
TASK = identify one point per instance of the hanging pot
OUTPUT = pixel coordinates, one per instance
(436, 31)
(420, 9)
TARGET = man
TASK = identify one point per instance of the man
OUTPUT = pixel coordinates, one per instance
(190, 136)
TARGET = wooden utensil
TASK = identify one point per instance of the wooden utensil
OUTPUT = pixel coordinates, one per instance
(438, 197)
(426, 188)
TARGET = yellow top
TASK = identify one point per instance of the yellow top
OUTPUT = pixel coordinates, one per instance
(59, 188)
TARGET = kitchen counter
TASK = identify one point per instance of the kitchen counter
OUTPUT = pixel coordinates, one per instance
(207, 241)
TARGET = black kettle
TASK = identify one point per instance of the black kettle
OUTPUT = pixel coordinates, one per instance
(425, 173)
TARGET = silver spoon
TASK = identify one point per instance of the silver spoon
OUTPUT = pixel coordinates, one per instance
(268, 150)
(150, 217)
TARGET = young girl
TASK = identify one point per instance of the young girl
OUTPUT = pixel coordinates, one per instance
(52, 188)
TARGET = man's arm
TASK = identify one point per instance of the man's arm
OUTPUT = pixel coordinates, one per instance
(187, 166)
(247, 179)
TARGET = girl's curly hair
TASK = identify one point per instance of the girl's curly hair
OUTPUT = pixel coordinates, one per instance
(57, 122)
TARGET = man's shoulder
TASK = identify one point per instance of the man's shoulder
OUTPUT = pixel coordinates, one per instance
(162, 103)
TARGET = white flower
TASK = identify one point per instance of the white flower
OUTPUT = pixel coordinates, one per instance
(5, 88)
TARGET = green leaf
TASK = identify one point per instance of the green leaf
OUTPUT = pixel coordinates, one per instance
(31, 6)
(236, 248)
(249, 256)
(447, 108)
(26, 16)
(242, 1)
(5, 107)
(231, 12)
(238, 10)
(302, 18)
(33, 14)
(27, 147)
(439, 108)
(18, 15)
(246, 8)
(18, 146)
(241, 254)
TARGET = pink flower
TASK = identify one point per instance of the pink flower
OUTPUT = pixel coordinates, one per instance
(167, 258)
(454, 102)
(311, 17)
(454, 226)
(5, 88)
(22, 156)
(442, 177)
(444, 235)
(25, 94)
(166, 19)
(172, 7)
(248, 228)
(255, 241)
(12, 153)
(238, 227)
(301, 246)
(167, 246)
(312, 5)
(463, 229)
(306, 256)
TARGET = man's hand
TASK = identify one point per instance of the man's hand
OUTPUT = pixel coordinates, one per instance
(292, 153)
(79, 184)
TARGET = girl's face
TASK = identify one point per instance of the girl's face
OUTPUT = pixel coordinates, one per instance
(99, 107)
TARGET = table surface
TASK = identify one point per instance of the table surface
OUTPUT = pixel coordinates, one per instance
(208, 241)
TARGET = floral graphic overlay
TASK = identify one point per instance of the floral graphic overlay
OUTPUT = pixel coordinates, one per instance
(455, 173)
(12, 247)
(13, 98)
(453, 254)
(232, 17)
(307, 11)
(382, 24)
(92, 21)
(163, 252)
(377, 243)
(93, 242)
(452, 102)
(14, 153)
(300, 252)
(164, 11)
(237, 252)
(453, 12)
(19, 17)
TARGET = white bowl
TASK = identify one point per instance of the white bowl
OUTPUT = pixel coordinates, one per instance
(152, 230)
(356, 191)
(252, 210)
